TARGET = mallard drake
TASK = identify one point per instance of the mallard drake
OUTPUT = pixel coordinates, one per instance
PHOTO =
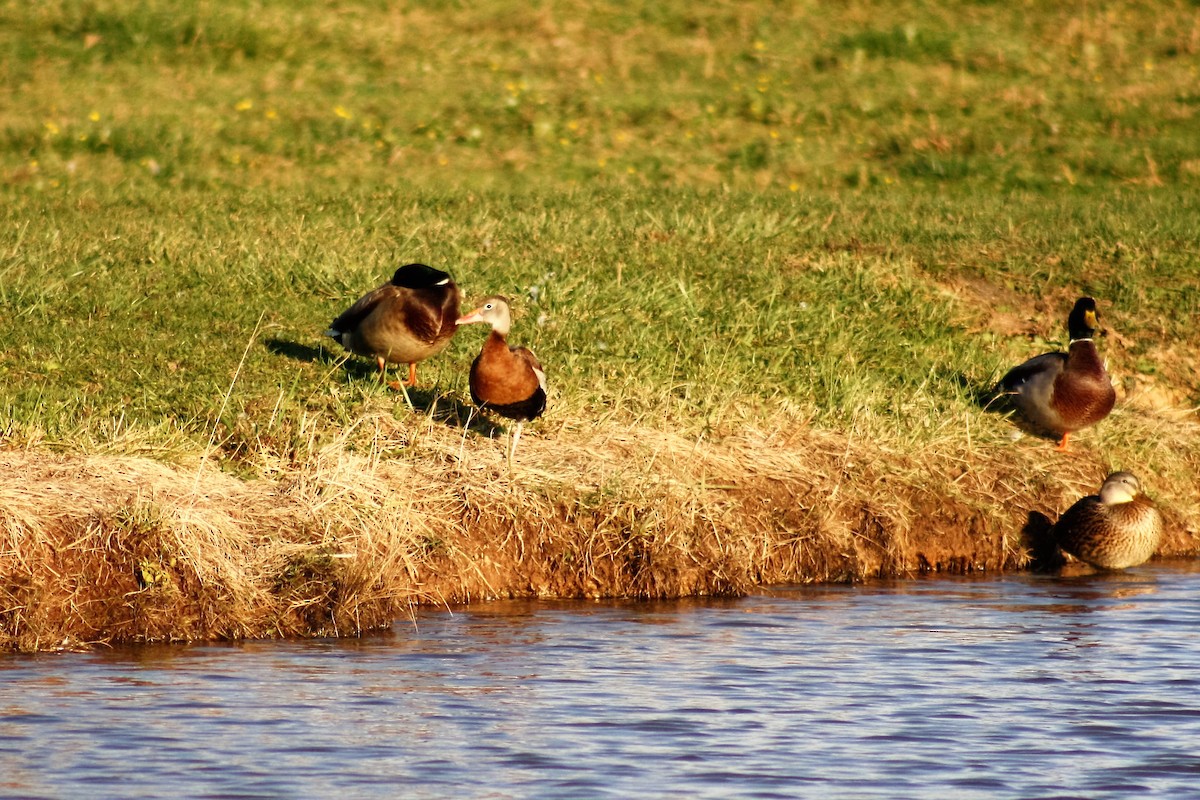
(1118, 528)
(507, 380)
(406, 320)
(1063, 392)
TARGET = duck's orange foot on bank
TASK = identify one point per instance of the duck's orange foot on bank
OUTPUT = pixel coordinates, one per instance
(412, 379)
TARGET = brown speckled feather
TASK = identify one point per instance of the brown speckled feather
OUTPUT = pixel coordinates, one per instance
(353, 316)
(1112, 536)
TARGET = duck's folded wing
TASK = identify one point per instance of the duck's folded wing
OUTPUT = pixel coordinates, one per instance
(526, 355)
(424, 321)
(1038, 365)
(353, 316)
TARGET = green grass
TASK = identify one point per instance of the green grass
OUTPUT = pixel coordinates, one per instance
(707, 215)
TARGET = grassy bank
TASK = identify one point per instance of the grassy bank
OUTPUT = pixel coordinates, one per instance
(770, 256)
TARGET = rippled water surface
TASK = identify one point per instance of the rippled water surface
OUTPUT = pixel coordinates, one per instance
(1022, 686)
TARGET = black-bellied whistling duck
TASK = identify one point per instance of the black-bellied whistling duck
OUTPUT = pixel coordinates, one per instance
(406, 320)
(1118, 528)
(507, 380)
(1063, 392)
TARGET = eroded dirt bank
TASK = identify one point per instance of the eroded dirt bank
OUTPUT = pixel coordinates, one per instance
(104, 548)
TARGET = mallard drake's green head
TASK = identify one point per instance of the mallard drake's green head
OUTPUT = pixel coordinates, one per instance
(1084, 320)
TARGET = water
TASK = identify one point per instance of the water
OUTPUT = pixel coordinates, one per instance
(1021, 686)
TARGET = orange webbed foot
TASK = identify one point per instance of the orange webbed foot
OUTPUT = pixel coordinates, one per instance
(412, 379)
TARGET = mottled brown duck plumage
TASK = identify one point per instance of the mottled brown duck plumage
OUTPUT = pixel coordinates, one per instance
(1119, 527)
(1059, 393)
(406, 320)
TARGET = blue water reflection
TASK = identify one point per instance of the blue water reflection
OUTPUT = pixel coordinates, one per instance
(1020, 686)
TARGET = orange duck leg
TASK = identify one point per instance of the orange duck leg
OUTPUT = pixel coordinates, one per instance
(406, 384)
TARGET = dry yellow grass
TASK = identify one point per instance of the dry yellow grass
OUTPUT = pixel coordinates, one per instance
(107, 548)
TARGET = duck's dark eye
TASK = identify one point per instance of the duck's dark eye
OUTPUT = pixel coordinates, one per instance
(488, 306)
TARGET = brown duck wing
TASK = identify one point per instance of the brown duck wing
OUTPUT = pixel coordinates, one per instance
(1080, 525)
(526, 355)
(423, 320)
(1020, 374)
(353, 316)
(535, 406)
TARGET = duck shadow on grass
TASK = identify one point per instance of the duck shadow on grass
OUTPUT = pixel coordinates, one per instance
(985, 395)
(439, 406)
(355, 367)
(991, 399)
(1037, 535)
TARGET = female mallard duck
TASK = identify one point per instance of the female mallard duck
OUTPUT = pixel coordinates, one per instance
(406, 320)
(1063, 392)
(506, 380)
(1116, 529)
